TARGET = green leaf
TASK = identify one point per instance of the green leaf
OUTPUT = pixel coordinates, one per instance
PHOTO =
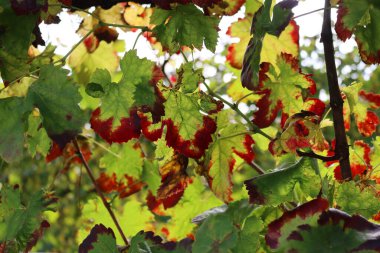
(196, 200)
(13, 114)
(279, 186)
(15, 39)
(57, 100)
(38, 139)
(99, 83)
(216, 234)
(123, 159)
(249, 237)
(185, 25)
(132, 90)
(18, 221)
(189, 79)
(353, 200)
(151, 176)
(220, 159)
(85, 63)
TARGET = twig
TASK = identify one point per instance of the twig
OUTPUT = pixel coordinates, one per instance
(311, 12)
(336, 101)
(314, 155)
(243, 97)
(257, 168)
(137, 38)
(234, 107)
(99, 192)
(64, 58)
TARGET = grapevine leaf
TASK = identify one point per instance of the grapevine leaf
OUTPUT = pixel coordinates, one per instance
(137, 15)
(123, 159)
(221, 162)
(132, 215)
(120, 98)
(279, 186)
(151, 175)
(288, 80)
(12, 115)
(17, 221)
(187, 26)
(302, 130)
(216, 234)
(249, 236)
(15, 39)
(366, 120)
(225, 7)
(362, 20)
(359, 160)
(99, 83)
(196, 199)
(174, 181)
(84, 61)
(189, 79)
(118, 120)
(100, 239)
(262, 24)
(188, 130)
(38, 139)
(353, 200)
(286, 42)
(297, 229)
(57, 99)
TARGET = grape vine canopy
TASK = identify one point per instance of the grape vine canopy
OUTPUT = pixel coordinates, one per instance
(103, 150)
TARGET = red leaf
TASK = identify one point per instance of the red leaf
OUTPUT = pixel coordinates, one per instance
(372, 98)
(125, 187)
(174, 181)
(368, 125)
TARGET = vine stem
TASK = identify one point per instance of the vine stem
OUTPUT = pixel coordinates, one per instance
(234, 107)
(257, 168)
(336, 101)
(99, 192)
(311, 12)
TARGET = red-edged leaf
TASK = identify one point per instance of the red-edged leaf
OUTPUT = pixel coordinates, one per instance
(372, 98)
(128, 129)
(360, 18)
(359, 160)
(296, 231)
(37, 234)
(303, 212)
(225, 7)
(174, 181)
(99, 239)
(283, 88)
(188, 131)
(366, 120)
(221, 161)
